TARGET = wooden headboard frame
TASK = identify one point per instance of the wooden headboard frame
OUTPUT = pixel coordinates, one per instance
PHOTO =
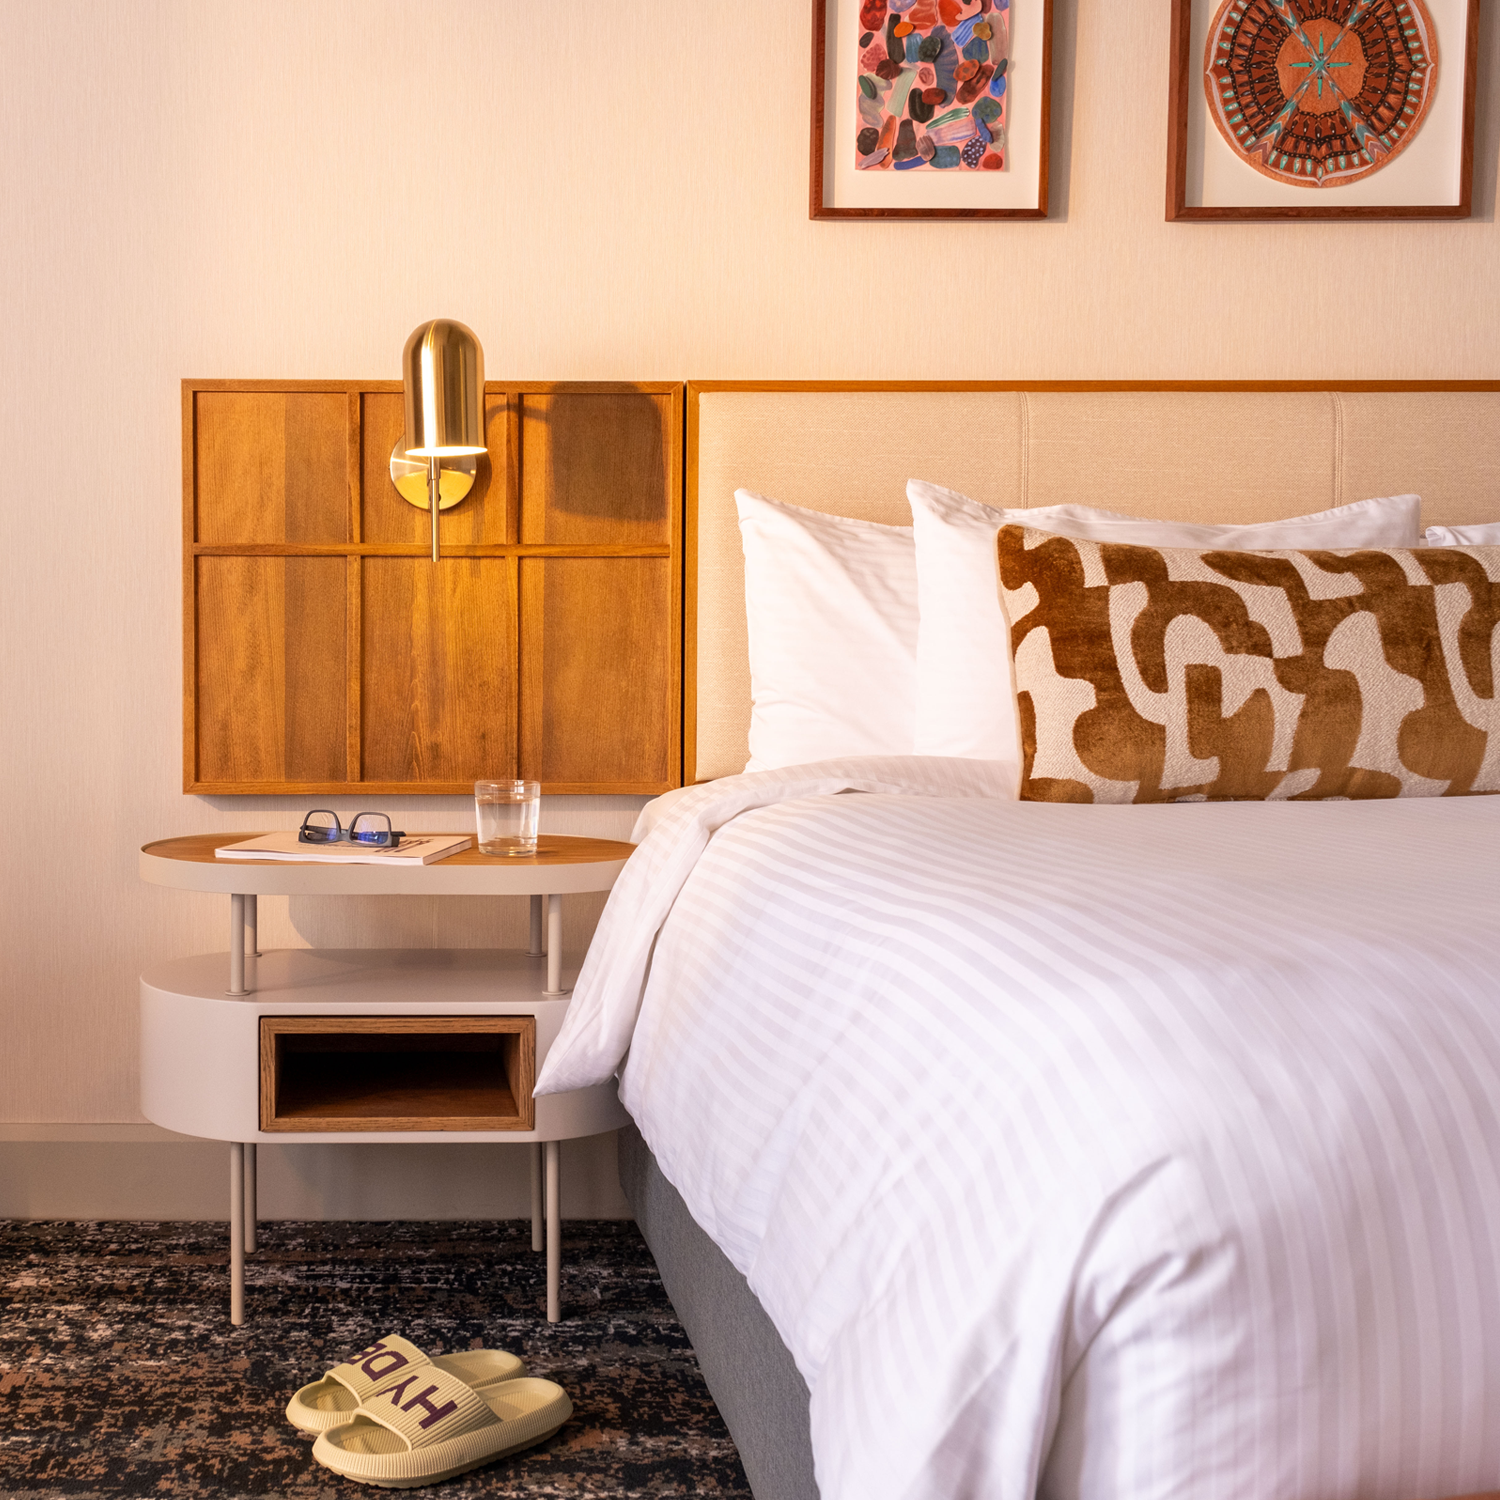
(1204, 450)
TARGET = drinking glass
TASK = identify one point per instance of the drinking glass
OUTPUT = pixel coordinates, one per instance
(506, 813)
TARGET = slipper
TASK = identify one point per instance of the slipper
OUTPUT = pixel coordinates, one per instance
(335, 1398)
(430, 1426)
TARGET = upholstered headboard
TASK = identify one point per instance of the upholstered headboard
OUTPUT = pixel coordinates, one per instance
(1206, 453)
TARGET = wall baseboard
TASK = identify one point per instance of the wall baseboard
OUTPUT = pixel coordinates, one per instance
(144, 1172)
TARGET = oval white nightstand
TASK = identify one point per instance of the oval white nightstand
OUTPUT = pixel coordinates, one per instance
(369, 1045)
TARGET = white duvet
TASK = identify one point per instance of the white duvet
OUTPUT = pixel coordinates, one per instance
(1081, 1151)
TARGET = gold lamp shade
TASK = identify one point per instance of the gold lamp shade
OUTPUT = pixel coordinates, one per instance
(442, 379)
(442, 373)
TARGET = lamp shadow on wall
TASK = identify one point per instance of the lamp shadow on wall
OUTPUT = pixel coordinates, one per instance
(598, 461)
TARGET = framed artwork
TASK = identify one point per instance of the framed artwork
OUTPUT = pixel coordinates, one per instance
(1321, 109)
(930, 109)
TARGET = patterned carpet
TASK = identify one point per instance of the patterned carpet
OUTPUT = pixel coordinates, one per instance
(120, 1374)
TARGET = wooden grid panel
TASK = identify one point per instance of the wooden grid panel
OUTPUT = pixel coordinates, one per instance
(596, 681)
(272, 704)
(438, 669)
(324, 653)
(271, 467)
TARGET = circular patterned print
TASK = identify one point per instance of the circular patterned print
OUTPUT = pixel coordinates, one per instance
(1319, 92)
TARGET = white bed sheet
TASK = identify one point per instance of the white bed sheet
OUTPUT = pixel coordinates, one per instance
(1081, 1151)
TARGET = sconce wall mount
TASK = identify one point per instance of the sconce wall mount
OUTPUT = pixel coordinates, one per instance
(442, 379)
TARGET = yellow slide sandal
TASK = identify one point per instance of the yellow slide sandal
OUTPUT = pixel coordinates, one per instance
(335, 1398)
(428, 1426)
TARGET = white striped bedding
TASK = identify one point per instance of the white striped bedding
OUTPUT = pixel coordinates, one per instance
(1081, 1151)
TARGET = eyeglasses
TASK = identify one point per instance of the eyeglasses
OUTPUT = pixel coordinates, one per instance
(372, 829)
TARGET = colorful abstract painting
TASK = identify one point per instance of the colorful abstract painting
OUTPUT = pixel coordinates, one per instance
(932, 85)
(1319, 92)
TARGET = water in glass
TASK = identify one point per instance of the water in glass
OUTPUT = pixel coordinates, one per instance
(506, 813)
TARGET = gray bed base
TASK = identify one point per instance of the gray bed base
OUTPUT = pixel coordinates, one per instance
(752, 1377)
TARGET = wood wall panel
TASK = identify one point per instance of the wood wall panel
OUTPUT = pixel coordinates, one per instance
(272, 466)
(482, 516)
(600, 675)
(438, 681)
(271, 669)
(325, 652)
(599, 468)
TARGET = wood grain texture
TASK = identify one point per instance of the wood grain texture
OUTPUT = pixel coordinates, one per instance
(383, 1073)
(270, 694)
(552, 849)
(432, 659)
(600, 676)
(354, 701)
(353, 452)
(419, 549)
(272, 468)
(598, 468)
(438, 670)
(1180, 31)
(1184, 94)
(688, 714)
(189, 587)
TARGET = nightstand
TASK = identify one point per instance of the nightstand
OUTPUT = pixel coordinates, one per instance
(369, 1045)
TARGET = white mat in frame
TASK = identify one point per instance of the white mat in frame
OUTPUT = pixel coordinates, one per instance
(1019, 189)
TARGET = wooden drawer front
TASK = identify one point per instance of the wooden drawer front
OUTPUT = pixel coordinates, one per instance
(389, 1073)
(325, 653)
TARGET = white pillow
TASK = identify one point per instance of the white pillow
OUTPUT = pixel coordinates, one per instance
(965, 700)
(831, 606)
(1487, 535)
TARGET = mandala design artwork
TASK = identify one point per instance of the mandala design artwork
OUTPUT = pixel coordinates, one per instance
(1319, 92)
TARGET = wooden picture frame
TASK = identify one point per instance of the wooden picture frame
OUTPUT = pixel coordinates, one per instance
(1208, 183)
(1017, 192)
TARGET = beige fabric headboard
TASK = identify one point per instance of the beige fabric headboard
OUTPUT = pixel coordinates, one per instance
(1242, 454)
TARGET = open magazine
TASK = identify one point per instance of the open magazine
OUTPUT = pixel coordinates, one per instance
(415, 849)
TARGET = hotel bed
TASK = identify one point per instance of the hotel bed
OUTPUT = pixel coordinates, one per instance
(997, 1147)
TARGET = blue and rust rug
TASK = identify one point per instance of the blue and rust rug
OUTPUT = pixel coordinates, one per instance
(120, 1375)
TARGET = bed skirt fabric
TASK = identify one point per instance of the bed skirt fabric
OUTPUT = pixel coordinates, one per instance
(749, 1371)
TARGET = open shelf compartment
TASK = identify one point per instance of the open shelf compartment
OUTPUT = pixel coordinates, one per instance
(390, 1073)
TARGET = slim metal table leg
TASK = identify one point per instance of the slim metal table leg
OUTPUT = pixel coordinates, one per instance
(554, 1230)
(252, 921)
(236, 1232)
(250, 1190)
(237, 946)
(537, 947)
(535, 1152)
(554, 947)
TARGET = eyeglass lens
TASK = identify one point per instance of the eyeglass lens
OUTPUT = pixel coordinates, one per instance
(320, 826)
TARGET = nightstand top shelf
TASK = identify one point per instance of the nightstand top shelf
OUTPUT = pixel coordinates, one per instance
(561, 866)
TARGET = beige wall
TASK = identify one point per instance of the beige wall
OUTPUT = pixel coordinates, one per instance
(283, 188)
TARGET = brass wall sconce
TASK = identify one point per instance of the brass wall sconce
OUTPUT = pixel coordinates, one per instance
(434, 464)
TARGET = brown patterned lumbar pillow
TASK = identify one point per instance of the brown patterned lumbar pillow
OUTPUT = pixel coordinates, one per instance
(1149, 674)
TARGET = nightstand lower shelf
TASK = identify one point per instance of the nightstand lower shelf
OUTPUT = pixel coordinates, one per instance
(363, 1046)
